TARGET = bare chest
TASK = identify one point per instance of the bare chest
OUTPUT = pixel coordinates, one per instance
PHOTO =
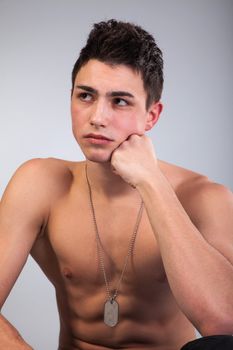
(72, 236)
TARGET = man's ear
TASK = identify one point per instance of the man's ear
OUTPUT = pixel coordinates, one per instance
(153, 115)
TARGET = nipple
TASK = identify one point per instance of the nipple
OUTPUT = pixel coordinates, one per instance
(67, 273)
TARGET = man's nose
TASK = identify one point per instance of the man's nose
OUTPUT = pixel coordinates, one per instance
(100, 114)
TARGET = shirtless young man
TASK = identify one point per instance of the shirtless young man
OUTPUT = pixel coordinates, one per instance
(86, 227)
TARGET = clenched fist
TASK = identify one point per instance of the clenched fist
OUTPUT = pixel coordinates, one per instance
(135, 160)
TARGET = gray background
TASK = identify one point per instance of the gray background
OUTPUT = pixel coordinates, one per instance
(39, 42)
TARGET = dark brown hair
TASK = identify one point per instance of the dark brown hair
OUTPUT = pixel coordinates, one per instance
(115, 43)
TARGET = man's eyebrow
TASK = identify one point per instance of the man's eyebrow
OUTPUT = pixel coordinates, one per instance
(86, 88)
(110, 94)
(120, 93)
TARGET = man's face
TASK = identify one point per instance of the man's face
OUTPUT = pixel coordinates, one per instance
(108, 105)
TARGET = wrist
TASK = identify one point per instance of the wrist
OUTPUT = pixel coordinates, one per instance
(153, 180)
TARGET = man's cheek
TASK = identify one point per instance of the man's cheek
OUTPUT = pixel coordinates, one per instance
(138, 129)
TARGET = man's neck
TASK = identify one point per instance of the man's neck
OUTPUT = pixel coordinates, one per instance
(103, 180)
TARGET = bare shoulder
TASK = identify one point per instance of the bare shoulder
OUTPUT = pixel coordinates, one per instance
(208, 204)
(42, 179)
(199, 195)
(59, 169)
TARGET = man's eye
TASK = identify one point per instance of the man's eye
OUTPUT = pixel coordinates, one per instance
(120, 102)
(85, 96)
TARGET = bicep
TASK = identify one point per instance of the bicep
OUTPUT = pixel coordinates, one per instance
(21, 217)
(214, 218)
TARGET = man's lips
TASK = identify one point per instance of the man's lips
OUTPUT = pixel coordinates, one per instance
(97, 136)
(97, 139)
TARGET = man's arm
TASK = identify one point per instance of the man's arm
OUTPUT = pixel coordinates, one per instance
(23, 213)
(198, 259)
(10, 338)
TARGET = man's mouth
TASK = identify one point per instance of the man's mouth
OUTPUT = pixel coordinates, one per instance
(97, 139)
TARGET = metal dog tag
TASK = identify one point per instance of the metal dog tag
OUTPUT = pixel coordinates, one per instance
(111, 312)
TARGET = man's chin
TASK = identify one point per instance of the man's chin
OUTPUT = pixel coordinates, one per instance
(98, 155)
(98, 158)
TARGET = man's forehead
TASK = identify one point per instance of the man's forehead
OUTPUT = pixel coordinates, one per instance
(100, 75)
(97, 64)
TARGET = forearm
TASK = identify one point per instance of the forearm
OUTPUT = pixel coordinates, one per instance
(197, 273)
(10, 338)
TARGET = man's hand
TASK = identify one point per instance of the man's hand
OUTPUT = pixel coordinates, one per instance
(135, 160)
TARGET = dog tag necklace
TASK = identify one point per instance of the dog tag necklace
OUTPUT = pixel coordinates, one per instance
(111, 306)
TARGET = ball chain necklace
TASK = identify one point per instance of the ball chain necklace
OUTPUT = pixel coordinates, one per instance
(111, 306)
